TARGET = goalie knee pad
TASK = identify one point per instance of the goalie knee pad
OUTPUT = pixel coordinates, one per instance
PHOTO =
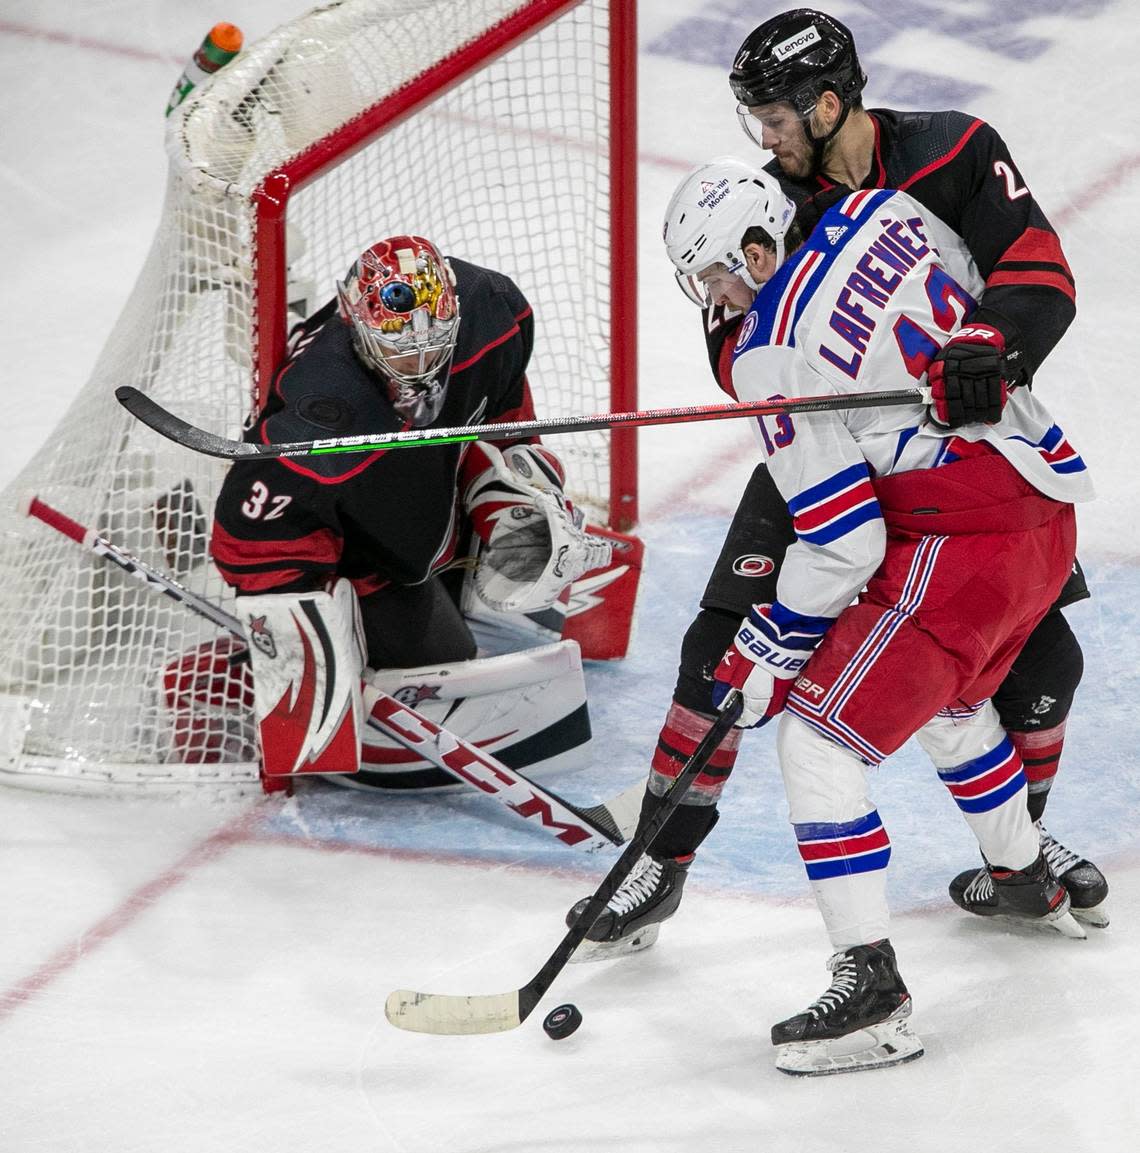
(307, 656)
(536, 544)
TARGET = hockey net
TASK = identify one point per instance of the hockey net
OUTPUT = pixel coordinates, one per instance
(504, 132)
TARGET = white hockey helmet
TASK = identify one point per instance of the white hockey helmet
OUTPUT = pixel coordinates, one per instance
(708, 215)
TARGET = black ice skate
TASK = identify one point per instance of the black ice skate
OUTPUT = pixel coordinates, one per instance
(1032, 894)
(859, 1023)
(1085, 883)
(630, 920)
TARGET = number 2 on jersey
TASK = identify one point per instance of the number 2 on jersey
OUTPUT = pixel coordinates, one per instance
(950, 305)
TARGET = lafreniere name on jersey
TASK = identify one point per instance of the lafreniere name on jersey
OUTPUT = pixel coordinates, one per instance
(898, 247)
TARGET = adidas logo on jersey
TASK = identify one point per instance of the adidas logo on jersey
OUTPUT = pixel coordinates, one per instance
(835, 233)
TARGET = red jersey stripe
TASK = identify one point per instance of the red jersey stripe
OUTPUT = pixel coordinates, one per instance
(934, 165)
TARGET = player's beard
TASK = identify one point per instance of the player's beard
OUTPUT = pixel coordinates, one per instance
(806, 159)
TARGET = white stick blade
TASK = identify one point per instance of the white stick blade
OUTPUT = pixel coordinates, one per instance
(453, 1015)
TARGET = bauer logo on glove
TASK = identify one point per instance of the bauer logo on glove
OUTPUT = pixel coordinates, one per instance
(771, 648)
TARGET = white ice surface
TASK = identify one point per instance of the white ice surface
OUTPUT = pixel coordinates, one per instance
(188, 978)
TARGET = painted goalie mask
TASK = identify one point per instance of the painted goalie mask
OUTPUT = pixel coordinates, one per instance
(399, 298)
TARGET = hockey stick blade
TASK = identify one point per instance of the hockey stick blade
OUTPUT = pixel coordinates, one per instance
(458, 1015)
(174, 428)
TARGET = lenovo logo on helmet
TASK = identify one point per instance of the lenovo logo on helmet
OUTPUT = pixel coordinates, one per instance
(797, 43)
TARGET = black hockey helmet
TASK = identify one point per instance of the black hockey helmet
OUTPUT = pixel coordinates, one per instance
(794, 57)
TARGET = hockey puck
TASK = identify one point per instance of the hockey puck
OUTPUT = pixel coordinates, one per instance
(561, 1022)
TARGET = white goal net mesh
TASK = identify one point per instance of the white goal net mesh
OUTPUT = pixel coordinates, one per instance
(102, 682)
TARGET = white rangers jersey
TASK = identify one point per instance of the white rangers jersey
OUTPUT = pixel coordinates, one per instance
(865, 304)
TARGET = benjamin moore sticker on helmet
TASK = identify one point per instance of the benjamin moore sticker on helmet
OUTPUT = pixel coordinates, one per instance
(712, 194)
(797, 43)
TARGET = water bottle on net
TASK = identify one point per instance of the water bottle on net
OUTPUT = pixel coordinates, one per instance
(222, 44)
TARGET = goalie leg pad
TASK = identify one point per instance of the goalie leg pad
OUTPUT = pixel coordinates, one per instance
(526, 708)
(307, 659)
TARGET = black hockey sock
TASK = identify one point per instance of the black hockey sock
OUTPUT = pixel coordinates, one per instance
(683, 832)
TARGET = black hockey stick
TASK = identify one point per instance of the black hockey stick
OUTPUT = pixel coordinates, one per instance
(455, 1014)
(140, 406)
(592, 827)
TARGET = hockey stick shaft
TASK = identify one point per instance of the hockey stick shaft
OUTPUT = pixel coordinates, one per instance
(153, 415)
(153, 578)
(588, 828)
(592, 827)
(454, 1014)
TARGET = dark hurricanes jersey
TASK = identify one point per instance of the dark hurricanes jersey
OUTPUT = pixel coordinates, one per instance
(959, 168)
(378, 518)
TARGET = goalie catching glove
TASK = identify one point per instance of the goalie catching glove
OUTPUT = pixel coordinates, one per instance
(769, 652)
(535, 541)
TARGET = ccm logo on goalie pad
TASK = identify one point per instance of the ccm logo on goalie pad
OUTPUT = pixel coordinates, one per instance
(481, 771)
(765, 654)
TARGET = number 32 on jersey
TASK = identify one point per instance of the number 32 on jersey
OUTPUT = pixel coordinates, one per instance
(262, 505)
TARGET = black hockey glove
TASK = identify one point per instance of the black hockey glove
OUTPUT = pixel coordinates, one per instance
(975, 370)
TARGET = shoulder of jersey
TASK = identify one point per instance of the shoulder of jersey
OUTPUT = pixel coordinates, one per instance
(924, 137)
(778, 305)
(474, 281)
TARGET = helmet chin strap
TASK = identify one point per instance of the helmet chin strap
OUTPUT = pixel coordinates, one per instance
(819, 143)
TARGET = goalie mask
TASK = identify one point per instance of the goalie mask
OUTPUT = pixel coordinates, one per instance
(399, 298)
(711, 210)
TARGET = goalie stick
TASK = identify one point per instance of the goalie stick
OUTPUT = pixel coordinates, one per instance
(140, 406)
(456, 1014)
(592, 827)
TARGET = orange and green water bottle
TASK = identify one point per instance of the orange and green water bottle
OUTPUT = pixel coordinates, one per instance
(222, 44)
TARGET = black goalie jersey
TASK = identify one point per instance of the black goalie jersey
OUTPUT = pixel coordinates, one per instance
(378, 518)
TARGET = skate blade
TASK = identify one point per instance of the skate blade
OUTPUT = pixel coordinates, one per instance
(1065, 924)
(607, 950)
(876, 1047)
(1095, 915)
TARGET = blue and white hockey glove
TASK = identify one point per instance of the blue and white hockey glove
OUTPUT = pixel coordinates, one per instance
(769, 652)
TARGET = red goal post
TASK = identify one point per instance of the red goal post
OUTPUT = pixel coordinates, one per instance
(615, 496)
(503, 130)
